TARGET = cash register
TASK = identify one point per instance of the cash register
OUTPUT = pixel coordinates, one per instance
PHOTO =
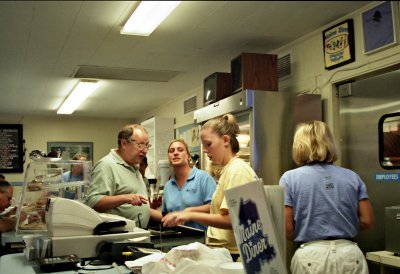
(58, 226)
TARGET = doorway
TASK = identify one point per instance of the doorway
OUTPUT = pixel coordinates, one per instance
(361, 106)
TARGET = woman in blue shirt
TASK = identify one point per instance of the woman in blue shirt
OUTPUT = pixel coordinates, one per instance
(190, 189)
(325, 205)
(74, 175)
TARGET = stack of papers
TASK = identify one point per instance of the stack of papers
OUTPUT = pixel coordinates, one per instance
(136, 265)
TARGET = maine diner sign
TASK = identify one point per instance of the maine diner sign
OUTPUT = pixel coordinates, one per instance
(339, 44)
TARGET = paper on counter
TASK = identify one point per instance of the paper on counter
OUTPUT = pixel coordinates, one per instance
(138, 239)
(155, 257)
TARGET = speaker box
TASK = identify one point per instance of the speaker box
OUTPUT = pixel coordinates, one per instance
(217, 86)
(254, 71)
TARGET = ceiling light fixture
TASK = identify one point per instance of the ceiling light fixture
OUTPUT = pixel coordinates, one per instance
(147, 16)
(81, 91)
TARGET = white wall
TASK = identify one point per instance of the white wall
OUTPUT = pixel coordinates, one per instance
(175, 108)
(308, 75)
(37, 131)
(308, 72)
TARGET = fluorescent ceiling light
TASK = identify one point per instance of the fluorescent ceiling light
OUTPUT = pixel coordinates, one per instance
(147, 16)
(77, 96)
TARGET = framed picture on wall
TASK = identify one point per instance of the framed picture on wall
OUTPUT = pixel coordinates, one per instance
(69, 149)
(338, 42)
(380, 26)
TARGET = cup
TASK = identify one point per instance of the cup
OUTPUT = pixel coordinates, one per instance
(163, 166)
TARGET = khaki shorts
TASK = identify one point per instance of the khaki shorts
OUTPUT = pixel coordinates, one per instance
(333, 257)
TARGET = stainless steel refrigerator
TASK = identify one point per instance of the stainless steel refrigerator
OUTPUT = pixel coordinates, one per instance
(267, 121)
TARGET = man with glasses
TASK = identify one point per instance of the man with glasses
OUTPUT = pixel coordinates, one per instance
(116, 186)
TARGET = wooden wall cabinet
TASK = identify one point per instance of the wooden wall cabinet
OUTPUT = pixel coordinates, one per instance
(254, 71)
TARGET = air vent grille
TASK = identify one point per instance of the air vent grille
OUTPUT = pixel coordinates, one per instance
(190, 105)
(284, 68)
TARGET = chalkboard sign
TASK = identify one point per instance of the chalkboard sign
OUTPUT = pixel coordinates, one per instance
(11, 148)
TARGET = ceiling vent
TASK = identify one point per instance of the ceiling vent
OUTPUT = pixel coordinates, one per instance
(190, 105)
(97, 72)
(284, 68)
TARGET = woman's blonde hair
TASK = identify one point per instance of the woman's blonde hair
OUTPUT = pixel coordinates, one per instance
(225, 125)
(313, 143)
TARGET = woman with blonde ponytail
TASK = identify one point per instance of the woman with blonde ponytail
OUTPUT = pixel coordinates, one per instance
(220, 144)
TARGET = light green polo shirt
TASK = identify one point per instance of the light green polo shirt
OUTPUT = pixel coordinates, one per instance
(113, 176)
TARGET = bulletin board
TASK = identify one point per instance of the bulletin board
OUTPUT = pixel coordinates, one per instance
(11, 148)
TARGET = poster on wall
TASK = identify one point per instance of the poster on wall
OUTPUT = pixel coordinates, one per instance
(11, 148)
(380, 25)
(338, 42)
(191, 135)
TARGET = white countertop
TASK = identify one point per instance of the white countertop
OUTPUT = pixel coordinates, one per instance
(384, 257)
(18, 264)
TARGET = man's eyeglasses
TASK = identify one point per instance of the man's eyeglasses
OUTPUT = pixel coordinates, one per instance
(140, 146)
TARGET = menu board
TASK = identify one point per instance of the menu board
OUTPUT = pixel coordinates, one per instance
(11, 148)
